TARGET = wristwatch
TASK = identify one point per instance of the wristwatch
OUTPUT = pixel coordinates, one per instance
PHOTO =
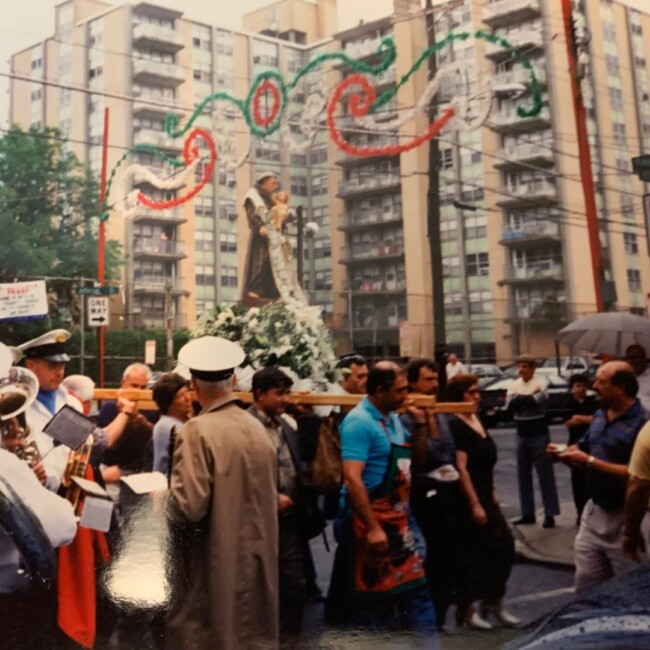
(590, 461)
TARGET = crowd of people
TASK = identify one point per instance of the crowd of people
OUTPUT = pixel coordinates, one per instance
(417, 520)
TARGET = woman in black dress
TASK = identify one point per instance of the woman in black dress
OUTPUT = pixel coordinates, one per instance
(493, 546)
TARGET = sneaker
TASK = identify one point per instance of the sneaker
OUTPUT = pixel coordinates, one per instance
(502, 615)
(524, 520)
(477, 622)
(549, 522)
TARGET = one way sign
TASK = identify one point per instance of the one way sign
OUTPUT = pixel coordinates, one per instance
(97, 311)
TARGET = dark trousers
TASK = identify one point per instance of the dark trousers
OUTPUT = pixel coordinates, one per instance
(443, 518)
(292, 576)
(531, 452)
(28, 619)
(494, 555)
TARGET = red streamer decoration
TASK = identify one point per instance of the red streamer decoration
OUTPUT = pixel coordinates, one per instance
(266, 120)
(359, 105)
(190, 154)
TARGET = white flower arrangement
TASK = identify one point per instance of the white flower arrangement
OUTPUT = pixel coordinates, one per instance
(291, 336)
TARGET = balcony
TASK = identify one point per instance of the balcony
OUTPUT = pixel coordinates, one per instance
(550, 313)
(525, 39)
(509, 12)
(346, 160)
(534, 273)
(157, 283)
(164, 172)
(526, 154)
(157, 73)
(527, 195)
(511, 122)
(157, 37)
(171, 217)
(375, 252)
(373, 323)
(363, 220)
(519, 76)
(360, 50)
(369, 288)
(156, 319)
(152, 248)
(154, 107)
(531, 234)
(368, 184)
(157, 139)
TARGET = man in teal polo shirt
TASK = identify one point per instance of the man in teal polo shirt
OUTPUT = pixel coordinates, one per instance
(377, 561)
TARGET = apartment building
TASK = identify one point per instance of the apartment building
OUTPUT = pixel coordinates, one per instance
(521, 258)
(516, 262)
(143, 62)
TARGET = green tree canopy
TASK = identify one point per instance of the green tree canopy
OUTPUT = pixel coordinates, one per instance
(49, 207)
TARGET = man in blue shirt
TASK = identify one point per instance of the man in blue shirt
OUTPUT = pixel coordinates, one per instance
(384, 571)
(605, 452)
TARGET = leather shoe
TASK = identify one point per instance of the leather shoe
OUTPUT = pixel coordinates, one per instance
(549, 522)
(524, 520)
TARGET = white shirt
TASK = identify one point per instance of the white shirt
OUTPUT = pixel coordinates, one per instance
(53, 512)
(55, 459)
(644, 389)
(454, 369)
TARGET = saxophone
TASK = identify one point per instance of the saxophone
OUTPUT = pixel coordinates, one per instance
(18, 391)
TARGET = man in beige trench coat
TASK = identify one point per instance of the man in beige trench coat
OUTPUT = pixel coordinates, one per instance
(223, 482)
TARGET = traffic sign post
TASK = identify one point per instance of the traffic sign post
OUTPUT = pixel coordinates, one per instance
(97, 311)
(97, 291)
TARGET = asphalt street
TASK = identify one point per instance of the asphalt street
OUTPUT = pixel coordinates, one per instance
(534, 590)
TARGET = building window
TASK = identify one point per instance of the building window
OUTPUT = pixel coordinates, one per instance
(619, 133)
(611, 63)
(639, 62)
(616, 98)
(228, 276)
(37, 94)
(631, 244)
(477, 264)
(37, 64)
(228, 242)
(93, 73)
(299, 186)
(637, 29)
(446, 159)
(318, 156)
(204, 275)
(634, 279)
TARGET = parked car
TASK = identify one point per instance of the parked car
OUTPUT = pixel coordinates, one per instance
(486, 372)
(568, 366)
(492, 406)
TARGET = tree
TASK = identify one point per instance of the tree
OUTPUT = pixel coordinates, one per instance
(49, 207)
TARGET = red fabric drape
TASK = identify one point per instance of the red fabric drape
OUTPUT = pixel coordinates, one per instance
(77, 611)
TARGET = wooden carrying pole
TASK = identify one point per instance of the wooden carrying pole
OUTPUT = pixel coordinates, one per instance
(144, 401)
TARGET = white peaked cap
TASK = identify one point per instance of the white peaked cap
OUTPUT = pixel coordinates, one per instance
(211, 358)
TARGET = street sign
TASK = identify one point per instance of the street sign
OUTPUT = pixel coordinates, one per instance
(641, 167)
(97, 311)
(23, 300)
(150, 352)
(97, 291)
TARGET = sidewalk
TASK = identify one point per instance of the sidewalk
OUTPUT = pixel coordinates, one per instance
(549, 545)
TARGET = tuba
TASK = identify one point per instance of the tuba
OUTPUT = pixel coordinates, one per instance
(17, 392)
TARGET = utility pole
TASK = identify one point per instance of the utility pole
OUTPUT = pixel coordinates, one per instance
(460, 227)
(585, 155)
(169, 324)
(101, 251)
(433, 213)
(300, 243)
